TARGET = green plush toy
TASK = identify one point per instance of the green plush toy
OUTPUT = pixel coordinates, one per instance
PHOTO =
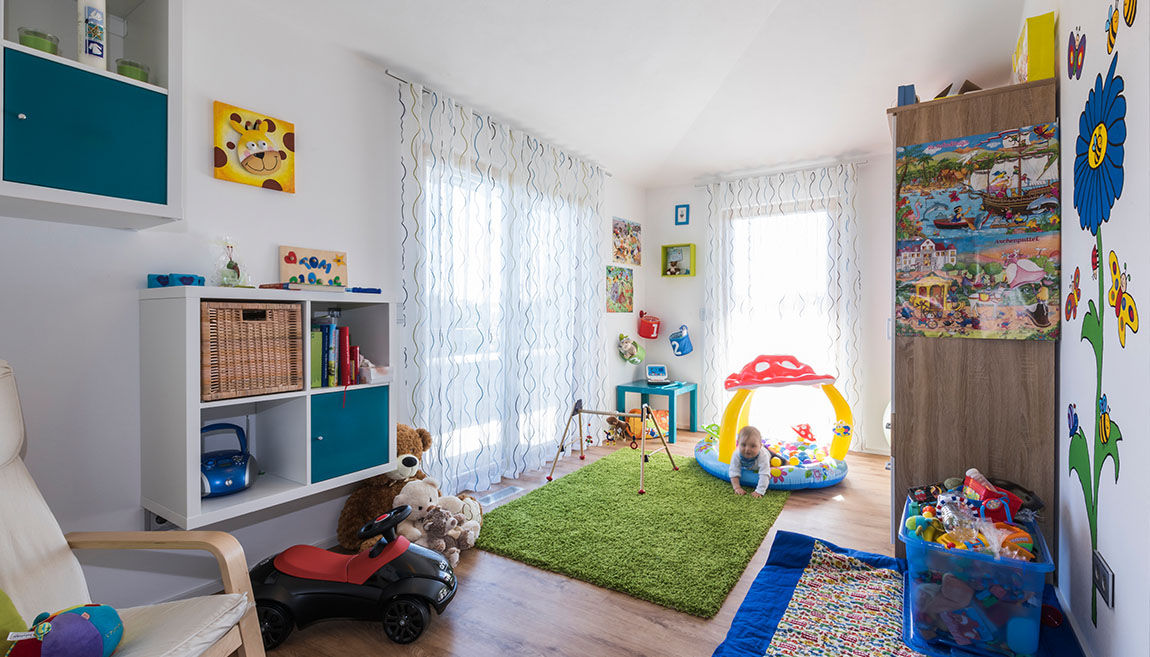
(10, 621)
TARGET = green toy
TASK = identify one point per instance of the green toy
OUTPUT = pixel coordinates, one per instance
(10, 621)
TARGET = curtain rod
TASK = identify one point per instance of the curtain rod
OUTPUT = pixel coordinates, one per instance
(476, 114)
(755, 173)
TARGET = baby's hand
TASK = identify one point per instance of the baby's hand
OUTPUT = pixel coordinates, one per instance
(739, 491)
(756, 494)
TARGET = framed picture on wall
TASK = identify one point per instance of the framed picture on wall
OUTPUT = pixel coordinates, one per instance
(682, 214)
(678, 260)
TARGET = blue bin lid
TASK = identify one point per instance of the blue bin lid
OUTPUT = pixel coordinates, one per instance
(1042, 563)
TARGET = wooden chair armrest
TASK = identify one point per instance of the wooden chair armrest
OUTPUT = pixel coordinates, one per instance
(226, 549)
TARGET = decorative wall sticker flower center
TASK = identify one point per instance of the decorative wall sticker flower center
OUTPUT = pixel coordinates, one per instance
(1097, 146)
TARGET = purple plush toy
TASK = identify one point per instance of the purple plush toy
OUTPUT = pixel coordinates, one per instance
(85, 631)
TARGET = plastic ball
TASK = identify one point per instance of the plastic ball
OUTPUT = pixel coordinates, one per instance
(793, 461)
(776, 461)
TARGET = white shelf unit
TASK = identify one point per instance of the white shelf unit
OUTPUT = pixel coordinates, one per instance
(282, 428)
(147, 31)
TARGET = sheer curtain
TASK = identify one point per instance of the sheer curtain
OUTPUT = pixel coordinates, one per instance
(782, 278)
(502, 289)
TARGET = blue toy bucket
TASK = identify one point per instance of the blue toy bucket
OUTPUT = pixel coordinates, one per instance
(681, 342)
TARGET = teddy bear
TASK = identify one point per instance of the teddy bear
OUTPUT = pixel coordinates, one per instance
(442, 533)
(376, 496)
(422, 495)
(468, 511)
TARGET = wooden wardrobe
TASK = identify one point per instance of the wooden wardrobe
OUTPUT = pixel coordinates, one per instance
(962, 403)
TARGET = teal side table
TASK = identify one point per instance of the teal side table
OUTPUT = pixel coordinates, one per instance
(671, 391)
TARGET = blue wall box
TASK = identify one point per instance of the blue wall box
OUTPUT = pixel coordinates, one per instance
(174, 280)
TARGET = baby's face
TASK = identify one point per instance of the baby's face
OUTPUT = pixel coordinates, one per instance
(750, 448)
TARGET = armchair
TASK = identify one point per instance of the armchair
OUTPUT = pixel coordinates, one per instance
(40, 573)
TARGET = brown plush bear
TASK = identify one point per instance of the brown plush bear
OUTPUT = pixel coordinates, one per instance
(441, 533)
(376, 496)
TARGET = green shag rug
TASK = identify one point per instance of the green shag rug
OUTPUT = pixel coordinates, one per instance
(683, 545)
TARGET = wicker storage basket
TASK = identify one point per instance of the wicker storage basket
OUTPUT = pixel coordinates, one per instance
(250, 349)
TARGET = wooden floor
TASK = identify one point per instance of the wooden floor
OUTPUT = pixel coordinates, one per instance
(508, 609)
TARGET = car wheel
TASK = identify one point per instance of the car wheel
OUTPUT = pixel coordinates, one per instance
(275, 623)
(404, 619)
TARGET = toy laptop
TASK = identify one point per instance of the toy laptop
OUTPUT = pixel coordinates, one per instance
(657, 375)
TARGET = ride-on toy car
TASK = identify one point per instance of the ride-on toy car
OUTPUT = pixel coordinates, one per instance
(393, 581)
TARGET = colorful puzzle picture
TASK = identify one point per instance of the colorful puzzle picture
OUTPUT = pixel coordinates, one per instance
(253, 149)
(977, 250)
(620, 289)
(312, 266)
(627, 241)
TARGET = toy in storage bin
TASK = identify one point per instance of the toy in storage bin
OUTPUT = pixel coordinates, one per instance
(977, 603)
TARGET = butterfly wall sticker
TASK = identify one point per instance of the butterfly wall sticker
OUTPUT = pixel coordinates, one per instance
(1075, 56)
(1125, 310)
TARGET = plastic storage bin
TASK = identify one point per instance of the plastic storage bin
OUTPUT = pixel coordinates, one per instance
(1002, 615)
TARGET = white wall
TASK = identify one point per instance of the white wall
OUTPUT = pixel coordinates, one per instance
(621, 199)
(1125, 376)
(70, 308)
(679, 300)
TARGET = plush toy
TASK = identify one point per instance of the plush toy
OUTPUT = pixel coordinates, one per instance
(442, 533)
(421, 495)
(84, 631)
(376, 496)
(10, 621)
(468, 509)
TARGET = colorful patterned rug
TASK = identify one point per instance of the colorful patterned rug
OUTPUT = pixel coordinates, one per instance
(815, 599)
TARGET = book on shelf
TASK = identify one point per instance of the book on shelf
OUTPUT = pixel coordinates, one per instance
(345, 356)
(303, 286)
(354, 364)
(325, 356)
(332, 349)
(316, 357)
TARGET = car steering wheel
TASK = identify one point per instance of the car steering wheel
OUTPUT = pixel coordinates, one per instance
(384, 527)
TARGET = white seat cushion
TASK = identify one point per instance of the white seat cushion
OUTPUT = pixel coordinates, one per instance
(183, 628)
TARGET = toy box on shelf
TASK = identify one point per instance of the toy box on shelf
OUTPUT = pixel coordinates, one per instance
(961, 601)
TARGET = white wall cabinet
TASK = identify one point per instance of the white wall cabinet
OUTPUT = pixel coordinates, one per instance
(89, 146)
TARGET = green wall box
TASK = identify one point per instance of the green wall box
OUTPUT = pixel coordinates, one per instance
(351, 435)
(67, 128)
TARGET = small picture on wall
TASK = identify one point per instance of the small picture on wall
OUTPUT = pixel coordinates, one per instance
(253, 149)
(620, 289)
(678, 260)
(627, 241)
(682, 214)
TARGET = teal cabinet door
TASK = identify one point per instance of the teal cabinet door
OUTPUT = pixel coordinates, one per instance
(67, 128)
(348, 436)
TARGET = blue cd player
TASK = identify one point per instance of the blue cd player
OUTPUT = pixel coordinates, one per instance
(226, 471)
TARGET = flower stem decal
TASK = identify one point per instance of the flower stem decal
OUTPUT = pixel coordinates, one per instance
(1098, 180)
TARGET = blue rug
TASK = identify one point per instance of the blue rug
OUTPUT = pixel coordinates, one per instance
(758, 618)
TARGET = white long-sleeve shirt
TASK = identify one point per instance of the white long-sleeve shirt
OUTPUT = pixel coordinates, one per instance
(760, 464)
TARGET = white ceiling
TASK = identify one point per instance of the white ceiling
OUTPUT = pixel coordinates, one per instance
(665, 92)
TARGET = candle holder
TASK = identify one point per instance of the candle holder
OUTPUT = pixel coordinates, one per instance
(133, 69)
(43, 41)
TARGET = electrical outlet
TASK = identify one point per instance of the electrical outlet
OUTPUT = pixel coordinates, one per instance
(1104, 580)
(155, 523)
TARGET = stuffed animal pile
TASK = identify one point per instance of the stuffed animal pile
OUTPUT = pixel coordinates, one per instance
(445, 523)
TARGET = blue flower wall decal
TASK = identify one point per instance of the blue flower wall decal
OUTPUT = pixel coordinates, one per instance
(1099, 151)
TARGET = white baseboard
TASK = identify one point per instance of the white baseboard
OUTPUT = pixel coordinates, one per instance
(217, 585)
(1073, 624)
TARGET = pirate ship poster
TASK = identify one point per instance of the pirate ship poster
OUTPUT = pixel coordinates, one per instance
(977, 250)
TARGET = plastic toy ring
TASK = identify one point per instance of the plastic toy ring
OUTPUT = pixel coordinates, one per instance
(634, 445)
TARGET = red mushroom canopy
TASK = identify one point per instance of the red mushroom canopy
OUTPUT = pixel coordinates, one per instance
(776, 371)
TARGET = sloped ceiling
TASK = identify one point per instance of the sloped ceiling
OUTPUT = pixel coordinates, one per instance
(664, 92)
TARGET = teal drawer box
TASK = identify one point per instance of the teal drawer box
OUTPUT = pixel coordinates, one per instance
(348, 436)
(67, 128)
